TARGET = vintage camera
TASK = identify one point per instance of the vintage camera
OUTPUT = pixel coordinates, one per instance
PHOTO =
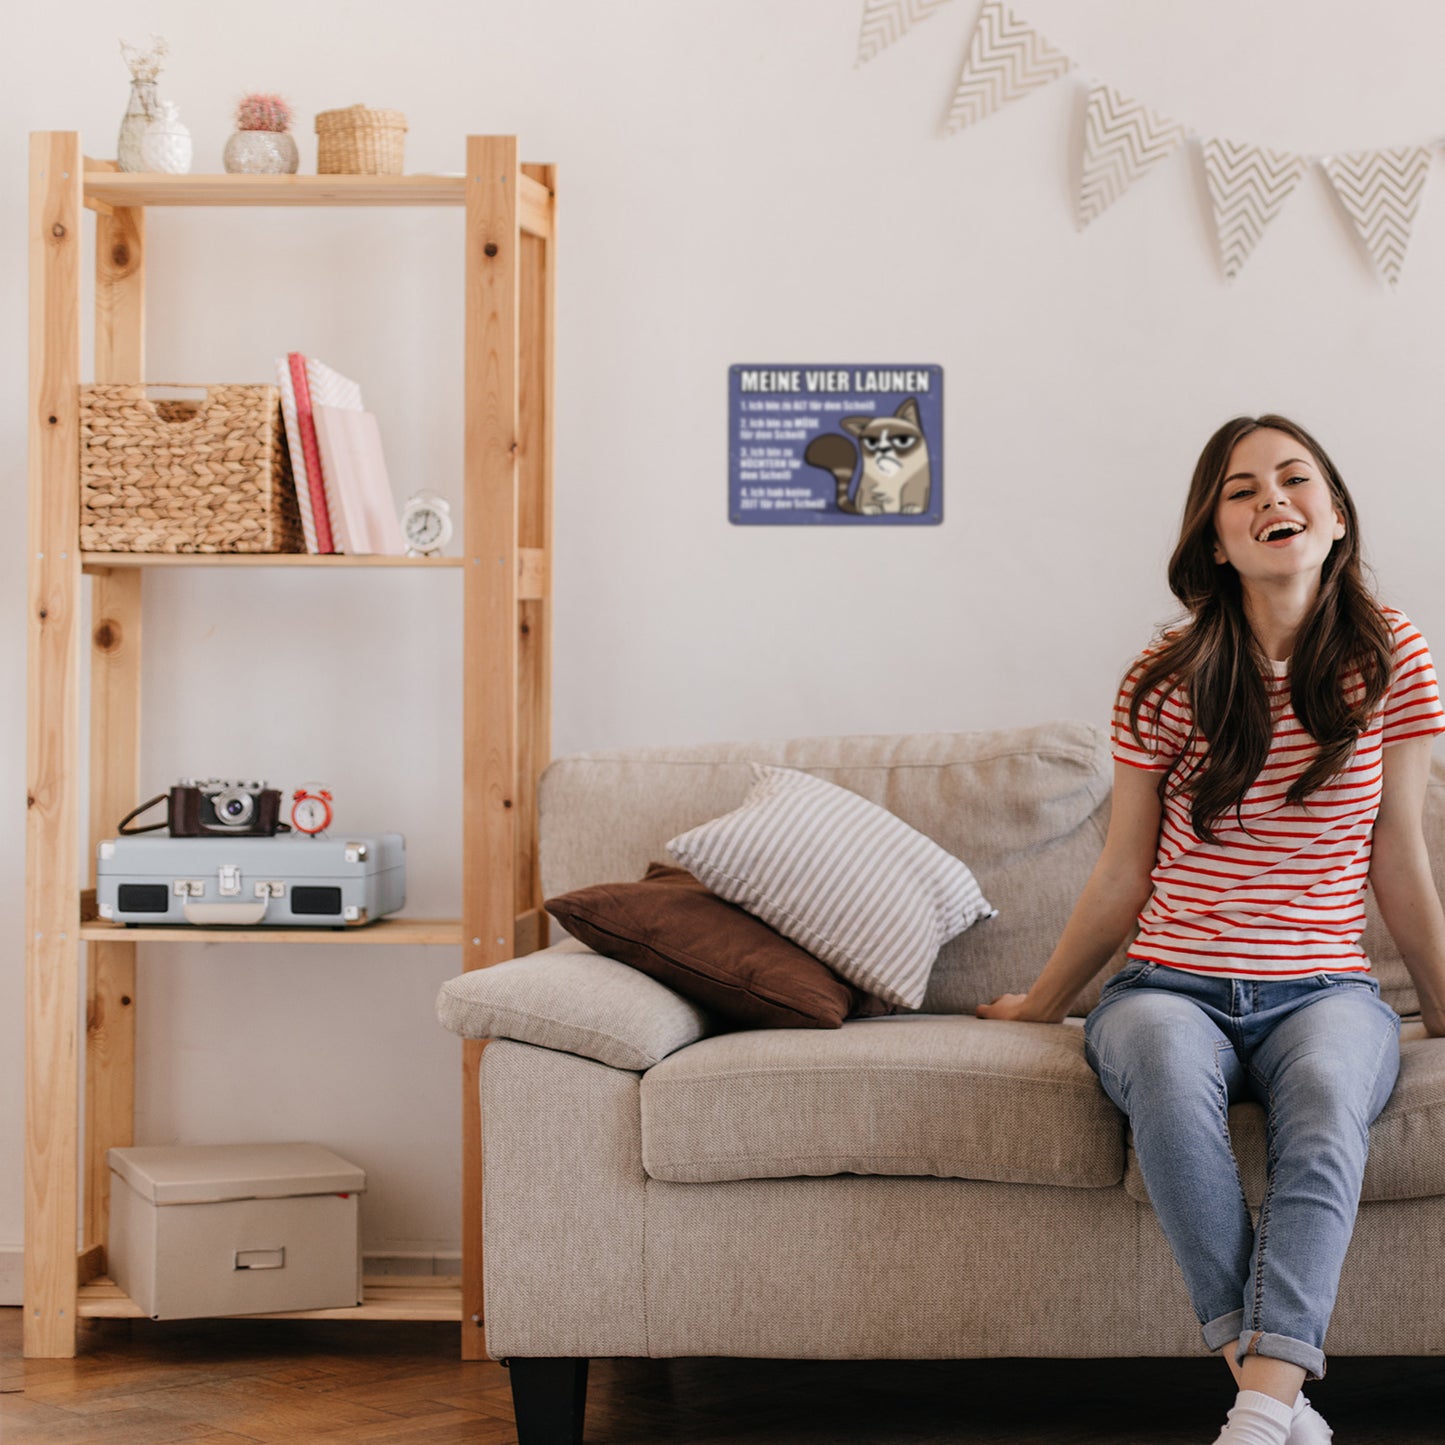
(218, 806)
(215, 806)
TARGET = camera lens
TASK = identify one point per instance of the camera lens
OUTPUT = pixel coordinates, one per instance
(234, 807)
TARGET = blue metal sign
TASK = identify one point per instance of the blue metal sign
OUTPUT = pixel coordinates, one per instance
(834, 444)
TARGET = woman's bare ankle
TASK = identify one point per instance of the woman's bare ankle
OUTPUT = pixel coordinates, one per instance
(1269, 1376)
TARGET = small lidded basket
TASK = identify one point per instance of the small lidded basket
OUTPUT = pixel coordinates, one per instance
(359, 142)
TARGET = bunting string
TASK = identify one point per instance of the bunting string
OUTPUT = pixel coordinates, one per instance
(1124, 139)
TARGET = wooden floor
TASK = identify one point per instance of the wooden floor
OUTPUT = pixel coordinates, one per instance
(136, 1383)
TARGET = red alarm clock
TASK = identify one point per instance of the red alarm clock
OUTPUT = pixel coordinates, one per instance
(311, 809)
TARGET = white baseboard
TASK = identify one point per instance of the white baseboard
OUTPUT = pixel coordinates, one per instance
(12, 1274)
(12, 1268)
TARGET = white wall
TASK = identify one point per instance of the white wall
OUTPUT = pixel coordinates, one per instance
(733, 190)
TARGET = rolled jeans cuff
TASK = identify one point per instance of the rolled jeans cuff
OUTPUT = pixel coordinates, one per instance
(1223, 1331)
(1281, 1347)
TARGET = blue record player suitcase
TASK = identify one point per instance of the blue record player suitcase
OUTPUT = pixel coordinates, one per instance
(250, 881)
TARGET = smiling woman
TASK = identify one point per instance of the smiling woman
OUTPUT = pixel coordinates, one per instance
(1271, 758)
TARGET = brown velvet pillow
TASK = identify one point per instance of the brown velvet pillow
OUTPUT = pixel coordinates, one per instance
(670, 927)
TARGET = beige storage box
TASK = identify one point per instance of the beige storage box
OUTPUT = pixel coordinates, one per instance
(235, 1229)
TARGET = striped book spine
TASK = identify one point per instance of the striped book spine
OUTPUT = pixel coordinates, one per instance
(306, 424)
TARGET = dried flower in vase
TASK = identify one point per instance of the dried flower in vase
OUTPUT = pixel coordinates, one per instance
(259, 111)
(144, 64)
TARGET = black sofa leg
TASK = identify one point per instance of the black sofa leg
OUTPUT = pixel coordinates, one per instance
(549, 1397)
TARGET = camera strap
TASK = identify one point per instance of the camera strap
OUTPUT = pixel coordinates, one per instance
(145, 807)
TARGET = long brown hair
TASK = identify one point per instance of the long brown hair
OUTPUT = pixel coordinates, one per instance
(1217, 660)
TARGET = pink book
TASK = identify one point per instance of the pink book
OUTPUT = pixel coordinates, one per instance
(363, 508)
(306, 425)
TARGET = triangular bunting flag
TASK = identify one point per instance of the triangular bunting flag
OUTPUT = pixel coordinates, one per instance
(1248, 186)
(884, 21)
(1122, 140)
(1381, 190)
(1007, 58)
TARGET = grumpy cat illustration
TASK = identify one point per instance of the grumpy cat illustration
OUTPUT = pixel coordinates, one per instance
(895, 476)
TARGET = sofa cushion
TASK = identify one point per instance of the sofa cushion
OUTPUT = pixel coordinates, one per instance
(575, 1001)
(951, 1097)
(674, 929)
(1407, 1141)
(844, 878)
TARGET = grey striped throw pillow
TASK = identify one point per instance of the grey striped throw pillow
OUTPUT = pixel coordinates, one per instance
(845, 879)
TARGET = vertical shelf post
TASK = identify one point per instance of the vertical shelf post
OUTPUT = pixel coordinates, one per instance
(489, 704)
(537, 297)
(52, 893)
(115, 640)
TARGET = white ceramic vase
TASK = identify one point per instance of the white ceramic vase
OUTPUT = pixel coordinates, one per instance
(142, 110)
(261, 152)
(166, 146)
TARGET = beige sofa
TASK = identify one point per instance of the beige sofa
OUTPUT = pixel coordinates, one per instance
(919, 1186)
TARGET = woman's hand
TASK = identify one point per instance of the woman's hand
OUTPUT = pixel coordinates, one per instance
(1011, 1006)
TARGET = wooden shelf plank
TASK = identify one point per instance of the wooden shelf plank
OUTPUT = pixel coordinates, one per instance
(532, 565)
(384, 930)
(107, 188)
(99, 561)
(146, 188)
(386, 1297)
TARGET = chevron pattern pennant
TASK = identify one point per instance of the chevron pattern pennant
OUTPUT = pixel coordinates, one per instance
(1007, 58)
(1122, 140)
(1248, 186)
(1381, 190)
(885, 21)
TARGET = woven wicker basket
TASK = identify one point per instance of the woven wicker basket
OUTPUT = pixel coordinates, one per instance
(186, 476)
(359, 142)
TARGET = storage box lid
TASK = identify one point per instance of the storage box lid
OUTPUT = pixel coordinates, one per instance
(210, 1173)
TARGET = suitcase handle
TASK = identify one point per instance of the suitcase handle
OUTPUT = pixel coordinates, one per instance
(236, 913)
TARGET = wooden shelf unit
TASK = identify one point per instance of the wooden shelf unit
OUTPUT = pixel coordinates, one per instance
(509, 270)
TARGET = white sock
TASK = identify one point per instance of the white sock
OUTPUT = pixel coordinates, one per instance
(1257, 1419)
(1307, 1425)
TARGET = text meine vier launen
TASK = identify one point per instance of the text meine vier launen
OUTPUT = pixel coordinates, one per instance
(767, 379)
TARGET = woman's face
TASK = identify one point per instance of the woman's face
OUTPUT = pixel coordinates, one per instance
(1275, 518)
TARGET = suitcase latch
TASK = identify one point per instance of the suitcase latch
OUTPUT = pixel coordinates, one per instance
(229, 880)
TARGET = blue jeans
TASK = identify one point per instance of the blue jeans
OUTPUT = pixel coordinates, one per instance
(1173, 1050)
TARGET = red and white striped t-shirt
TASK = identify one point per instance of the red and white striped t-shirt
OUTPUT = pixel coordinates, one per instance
(1285, 899)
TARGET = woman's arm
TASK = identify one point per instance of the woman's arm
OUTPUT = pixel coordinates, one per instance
(1400, 875)
(1112, 898)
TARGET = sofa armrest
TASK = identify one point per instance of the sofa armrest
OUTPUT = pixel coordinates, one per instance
(573, 1000)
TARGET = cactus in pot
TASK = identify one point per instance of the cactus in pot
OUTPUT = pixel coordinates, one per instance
(262, 143)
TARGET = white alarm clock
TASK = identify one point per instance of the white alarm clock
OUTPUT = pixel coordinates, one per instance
(311, 809)
(426, 524)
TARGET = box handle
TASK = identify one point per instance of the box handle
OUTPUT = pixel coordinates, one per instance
(152, 404)
(260, 1259)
